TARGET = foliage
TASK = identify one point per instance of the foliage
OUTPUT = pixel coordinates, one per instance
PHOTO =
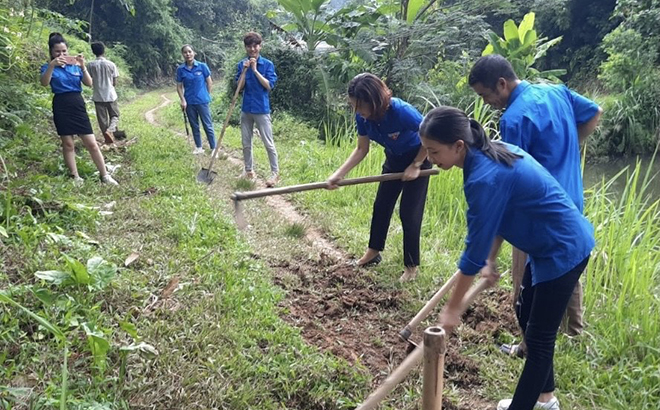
(149, 31)
(522, 47)
(632, 117)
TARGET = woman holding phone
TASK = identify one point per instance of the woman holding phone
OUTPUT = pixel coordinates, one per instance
(65, 74)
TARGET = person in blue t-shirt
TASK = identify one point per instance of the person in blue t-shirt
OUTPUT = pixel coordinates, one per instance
(511, 197)
(549, 122)
(394, 124)
(193, 83)
(259, 81)
(65, 74)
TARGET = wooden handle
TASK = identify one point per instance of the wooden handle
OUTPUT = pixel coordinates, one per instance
(224, 126)
(393, 380)
(415, 357)
(431, 304)
(239, 196)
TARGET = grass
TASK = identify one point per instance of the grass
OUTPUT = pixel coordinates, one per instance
(219, 340)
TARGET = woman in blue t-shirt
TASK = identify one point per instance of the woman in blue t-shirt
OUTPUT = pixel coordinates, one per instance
(193, 83)
(65, 74)
(394, 124)
(512, 197)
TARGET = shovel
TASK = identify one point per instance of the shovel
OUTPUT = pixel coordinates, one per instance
(185, 122)
(240, 196)
(206, 175)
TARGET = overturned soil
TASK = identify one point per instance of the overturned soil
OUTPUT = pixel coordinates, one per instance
(341, 310)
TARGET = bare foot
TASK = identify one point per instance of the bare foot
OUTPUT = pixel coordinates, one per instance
(409, 273)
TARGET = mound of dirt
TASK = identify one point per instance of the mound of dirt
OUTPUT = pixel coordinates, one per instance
(340, 310)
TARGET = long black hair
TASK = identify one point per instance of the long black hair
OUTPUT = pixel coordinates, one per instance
(55, 38)
(447, 125)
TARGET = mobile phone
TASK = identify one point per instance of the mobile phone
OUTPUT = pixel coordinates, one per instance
(70, 60)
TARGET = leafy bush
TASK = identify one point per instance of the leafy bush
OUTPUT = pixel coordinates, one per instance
(632, 114)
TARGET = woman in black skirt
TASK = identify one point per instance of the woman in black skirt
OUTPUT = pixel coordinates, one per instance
(65, 75)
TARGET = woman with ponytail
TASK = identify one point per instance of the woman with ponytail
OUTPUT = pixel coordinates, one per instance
(65, 74)
(502, 182)
(394, 124)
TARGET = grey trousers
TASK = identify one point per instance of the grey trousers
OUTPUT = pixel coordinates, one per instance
(265, 129)
(107, 114)
(572, 324)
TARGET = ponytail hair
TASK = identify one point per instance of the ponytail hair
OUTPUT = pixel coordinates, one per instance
(53, 39)
(447, 125)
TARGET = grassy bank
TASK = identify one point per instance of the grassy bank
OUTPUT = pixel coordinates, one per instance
(192, 323)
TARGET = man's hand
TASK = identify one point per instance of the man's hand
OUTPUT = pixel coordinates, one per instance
(184, 104)
(246, 63)
(412, 172)
(253, 64)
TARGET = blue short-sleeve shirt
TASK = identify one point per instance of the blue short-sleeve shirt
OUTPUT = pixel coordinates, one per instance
(527, 207)
(194, 82)
(255, 96)
(397, 131)
(67, 79)
(542, 119)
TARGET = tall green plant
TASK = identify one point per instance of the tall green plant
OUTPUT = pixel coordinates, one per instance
(522, 47)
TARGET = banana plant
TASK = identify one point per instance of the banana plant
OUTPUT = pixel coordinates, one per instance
(522, 47)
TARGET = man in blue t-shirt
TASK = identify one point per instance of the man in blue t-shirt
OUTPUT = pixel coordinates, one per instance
(549, 122)
(259, 80)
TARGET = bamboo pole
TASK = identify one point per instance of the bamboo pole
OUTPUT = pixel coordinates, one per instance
(434, 367)
(415, 357)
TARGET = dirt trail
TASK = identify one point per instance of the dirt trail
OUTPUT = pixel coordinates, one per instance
(344, 310)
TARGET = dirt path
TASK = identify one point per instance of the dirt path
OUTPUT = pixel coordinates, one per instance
(345, 310)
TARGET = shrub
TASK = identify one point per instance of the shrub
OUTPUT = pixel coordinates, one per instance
(632, 115)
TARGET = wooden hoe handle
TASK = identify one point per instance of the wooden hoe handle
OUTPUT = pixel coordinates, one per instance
(239, 196)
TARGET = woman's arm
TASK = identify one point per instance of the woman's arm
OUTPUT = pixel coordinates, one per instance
(412, 171)
(87, 79)
(209, 84)
(450, 316)
(179, 90)
(48, 74)
(355, 158)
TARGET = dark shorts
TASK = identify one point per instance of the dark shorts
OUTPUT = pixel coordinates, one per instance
(70, 115)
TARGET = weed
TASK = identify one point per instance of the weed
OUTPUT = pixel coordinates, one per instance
(296, 230)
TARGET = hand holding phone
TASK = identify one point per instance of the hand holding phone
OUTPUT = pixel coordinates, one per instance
(70, 60)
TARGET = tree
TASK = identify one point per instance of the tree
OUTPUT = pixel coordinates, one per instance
(522, 47)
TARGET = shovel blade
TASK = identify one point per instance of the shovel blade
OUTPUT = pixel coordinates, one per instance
(205, 176)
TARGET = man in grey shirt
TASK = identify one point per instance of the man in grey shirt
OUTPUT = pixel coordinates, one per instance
(104, 76)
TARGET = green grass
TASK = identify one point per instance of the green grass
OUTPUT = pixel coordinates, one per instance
(220, 341)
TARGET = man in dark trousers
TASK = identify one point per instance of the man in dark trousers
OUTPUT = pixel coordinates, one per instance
(549, 122)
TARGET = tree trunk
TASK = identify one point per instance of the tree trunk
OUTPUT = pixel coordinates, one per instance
(91, 17)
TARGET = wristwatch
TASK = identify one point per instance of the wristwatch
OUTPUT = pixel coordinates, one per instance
(418, 164)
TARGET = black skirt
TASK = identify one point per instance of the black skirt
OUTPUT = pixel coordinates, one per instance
(70, 115)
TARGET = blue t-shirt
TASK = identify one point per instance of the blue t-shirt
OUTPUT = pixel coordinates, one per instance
(65, 80)
(542, 119)
(527, 207)
(397, 131)
(194, 82)
(255, 96)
